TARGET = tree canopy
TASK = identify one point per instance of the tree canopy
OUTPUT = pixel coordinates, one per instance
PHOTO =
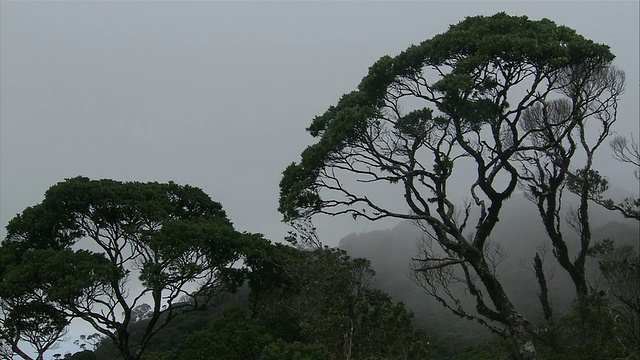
(98, 249)
(457, 108)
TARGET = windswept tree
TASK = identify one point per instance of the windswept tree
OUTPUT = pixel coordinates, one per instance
(567, 132)
(96, 250)
(448, 111)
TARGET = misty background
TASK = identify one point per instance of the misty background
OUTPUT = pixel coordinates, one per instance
(218, 94)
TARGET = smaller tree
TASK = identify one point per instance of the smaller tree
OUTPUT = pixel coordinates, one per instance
(566, 134)
(141, 312)
(74, 255)
(89, 342)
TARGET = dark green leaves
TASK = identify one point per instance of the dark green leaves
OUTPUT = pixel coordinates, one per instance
(416, 123)
(338, 127)
(588, 181)
(35, 318)
(464, 76)
(511, 39)
(170, 236)
(297, 191)
(62, 276)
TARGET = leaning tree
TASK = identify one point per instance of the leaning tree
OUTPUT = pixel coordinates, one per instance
(567, 132)
(96, 250)
(449, 111)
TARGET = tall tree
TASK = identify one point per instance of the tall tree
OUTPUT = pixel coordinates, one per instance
(568, 132)
(450, 109)
(77, 253)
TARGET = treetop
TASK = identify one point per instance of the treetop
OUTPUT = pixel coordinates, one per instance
(465, 76)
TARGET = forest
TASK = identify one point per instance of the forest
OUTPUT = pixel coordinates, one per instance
(480, 143)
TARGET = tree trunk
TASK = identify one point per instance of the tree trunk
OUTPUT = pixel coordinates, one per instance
(348, 341)
(544, 292)
(519, 328)
(524, 342)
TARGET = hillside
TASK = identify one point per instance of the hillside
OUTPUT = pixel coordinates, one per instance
(520, 234)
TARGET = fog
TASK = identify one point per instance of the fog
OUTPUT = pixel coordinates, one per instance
(520, 235)
(218, 94)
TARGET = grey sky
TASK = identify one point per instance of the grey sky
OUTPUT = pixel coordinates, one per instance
(217, 95)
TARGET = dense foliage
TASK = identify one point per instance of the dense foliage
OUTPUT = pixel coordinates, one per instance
(298, 305)
(73, 255)
(453, 127)
(76, 255)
